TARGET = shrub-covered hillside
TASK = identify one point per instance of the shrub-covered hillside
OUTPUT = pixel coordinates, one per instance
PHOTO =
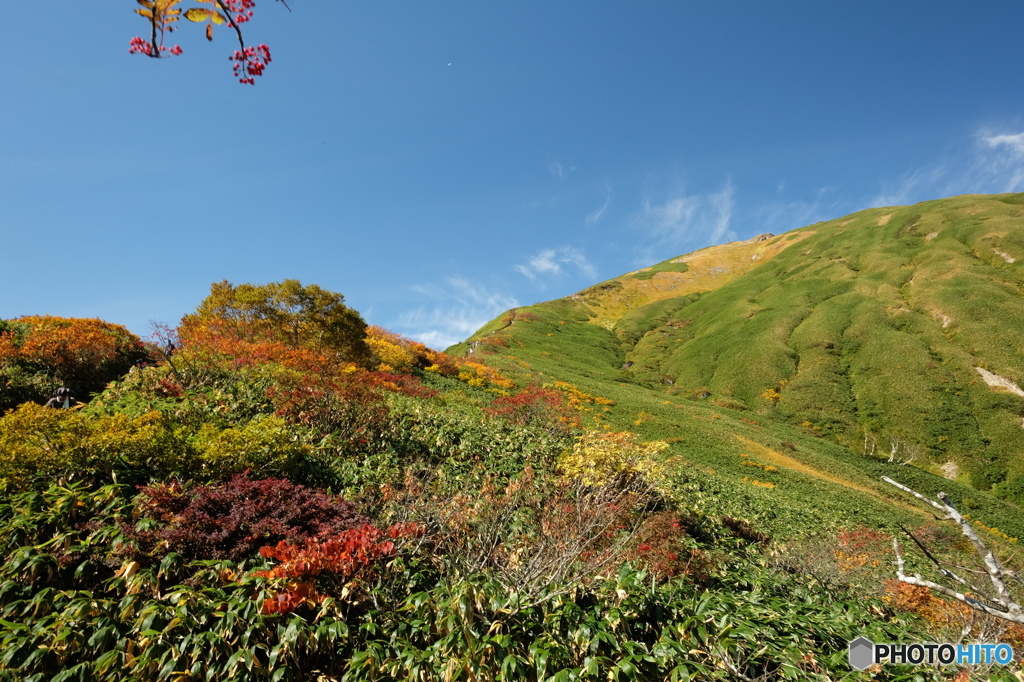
(276, 491)
(893, 332)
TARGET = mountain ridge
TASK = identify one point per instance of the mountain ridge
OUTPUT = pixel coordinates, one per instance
(868, 330)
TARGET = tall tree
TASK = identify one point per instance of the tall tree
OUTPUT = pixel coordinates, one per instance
(288, 312)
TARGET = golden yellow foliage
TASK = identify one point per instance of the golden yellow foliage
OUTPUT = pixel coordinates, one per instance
(264, 445)
(40, 441)
(389, 349)
(603, 457)
(578, 398)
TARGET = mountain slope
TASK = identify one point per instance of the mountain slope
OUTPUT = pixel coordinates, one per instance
(845, 341)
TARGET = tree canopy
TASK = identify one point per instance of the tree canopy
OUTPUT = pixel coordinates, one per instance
(288, 312)
(40, 353)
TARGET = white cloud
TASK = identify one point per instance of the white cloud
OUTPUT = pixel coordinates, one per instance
(464, 307)
(1002, 161)
(916, 185)
(596, 215)
(994, 163)
(782, 216)
(551, 262)
(542, 263)
(1014, 142)
(680, 220)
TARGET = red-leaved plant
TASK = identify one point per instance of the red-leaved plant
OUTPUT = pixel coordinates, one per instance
(335, 561)
(232, 520)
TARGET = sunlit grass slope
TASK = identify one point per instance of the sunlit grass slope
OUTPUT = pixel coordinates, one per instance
(785, 370)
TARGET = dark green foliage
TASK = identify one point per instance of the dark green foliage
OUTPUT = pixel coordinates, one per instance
(21, 385)
(73, 605)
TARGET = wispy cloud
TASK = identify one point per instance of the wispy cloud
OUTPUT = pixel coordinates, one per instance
(1014, 142)
(559, 169)
(679, 220)
(782, 216)
(992, 163)
(551, 262)
(594, 217)
(1004, 163)
(928, 182)
(463, 308)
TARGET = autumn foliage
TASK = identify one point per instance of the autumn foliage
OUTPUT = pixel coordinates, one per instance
(81, 354)
(334, 561)
(614, 457)
(539, 406)
(287, 312)
(393, 353)
(232, 520)
(163, 15)
(664, 548)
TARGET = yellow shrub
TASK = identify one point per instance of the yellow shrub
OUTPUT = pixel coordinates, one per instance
(389, 349)
(603, 457)
(37, 441)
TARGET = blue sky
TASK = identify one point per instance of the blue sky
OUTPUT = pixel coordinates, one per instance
(440, 161)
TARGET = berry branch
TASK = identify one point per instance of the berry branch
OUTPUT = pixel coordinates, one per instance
(249, 61)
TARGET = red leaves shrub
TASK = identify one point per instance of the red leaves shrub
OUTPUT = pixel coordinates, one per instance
(864, 539)
(401, 383)
(663, 547)
(498, 341)
(535, 405)
(233, 520)
(336, 559)
(350, 406)
(949, 616)
(215, 347)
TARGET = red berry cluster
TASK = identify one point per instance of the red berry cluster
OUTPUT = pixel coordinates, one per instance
(250, 62)
(241, 8)
(139, 45)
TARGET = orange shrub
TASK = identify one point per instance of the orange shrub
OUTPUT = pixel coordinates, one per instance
(82, 354)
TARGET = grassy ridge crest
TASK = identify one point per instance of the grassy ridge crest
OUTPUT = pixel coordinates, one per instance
(844, 345)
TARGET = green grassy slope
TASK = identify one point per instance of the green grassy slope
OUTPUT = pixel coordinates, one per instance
(869, 328)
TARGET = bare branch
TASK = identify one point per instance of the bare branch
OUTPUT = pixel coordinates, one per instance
(914, 493)
(1008, 608)
(944, 571)
(231, 21)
